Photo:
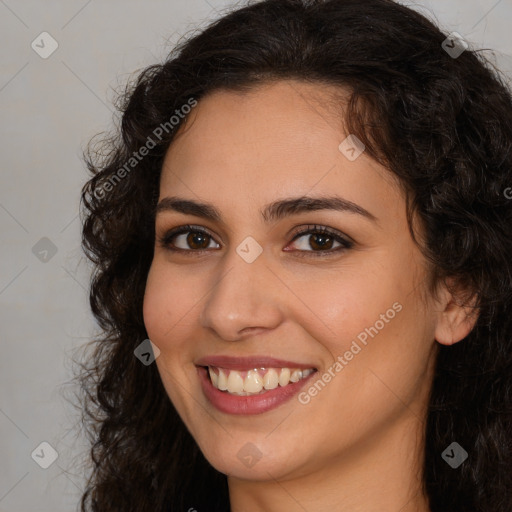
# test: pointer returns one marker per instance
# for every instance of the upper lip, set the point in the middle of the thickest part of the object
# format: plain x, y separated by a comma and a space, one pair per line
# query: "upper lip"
249, 363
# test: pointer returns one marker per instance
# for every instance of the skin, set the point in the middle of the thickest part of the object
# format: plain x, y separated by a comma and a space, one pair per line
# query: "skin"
357, 444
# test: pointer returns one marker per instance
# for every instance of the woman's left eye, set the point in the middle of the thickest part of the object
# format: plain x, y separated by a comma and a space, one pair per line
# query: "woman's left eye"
323, 239
320, 238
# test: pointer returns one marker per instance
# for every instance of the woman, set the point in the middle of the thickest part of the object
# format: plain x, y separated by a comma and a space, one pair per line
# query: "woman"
305, 211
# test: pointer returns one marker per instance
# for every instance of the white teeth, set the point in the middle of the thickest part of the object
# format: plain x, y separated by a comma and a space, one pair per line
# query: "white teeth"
255, 381
223, 381
271, 379
214, 377
235, 382
296, 376
284, 376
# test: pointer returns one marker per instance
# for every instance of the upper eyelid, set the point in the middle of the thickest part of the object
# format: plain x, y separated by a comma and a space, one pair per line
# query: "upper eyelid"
298, 231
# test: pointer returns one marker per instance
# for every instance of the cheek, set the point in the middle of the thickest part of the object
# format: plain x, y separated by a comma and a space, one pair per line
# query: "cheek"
371, 317
162, 299
336, 307
171, 306
164, 311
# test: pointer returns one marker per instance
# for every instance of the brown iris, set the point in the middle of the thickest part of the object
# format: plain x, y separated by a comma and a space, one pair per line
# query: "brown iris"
202, 239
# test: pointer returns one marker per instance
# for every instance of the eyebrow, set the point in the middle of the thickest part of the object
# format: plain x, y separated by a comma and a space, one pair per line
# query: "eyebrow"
271, 212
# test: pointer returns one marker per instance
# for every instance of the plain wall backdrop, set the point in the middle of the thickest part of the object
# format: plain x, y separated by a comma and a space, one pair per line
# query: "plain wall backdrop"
50, 107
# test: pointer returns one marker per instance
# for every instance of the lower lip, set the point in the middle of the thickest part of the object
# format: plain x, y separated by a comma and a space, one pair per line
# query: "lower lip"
255, 404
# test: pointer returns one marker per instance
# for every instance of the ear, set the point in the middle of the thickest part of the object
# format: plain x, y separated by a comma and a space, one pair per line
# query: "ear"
456, 313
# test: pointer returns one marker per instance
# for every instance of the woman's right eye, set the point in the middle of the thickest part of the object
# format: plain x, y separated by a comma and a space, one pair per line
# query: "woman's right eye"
191, 238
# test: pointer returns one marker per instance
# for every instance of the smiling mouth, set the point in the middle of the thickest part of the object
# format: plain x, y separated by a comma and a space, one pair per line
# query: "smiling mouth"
257, 381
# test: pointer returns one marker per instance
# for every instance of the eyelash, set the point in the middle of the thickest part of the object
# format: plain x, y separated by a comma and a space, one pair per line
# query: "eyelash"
165, 240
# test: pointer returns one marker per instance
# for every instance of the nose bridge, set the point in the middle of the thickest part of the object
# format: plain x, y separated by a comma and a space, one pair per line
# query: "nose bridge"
241, 297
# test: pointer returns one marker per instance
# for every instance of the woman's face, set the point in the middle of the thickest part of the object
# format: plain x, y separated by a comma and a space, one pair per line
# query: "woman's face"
351, 304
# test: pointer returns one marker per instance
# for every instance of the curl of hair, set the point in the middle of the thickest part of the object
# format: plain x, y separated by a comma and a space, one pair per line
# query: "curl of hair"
442, 126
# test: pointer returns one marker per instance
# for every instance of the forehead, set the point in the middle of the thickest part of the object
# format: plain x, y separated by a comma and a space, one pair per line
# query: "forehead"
277, 139
273, 120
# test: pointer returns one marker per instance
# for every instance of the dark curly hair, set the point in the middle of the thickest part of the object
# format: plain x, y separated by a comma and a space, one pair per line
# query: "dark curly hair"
442, 125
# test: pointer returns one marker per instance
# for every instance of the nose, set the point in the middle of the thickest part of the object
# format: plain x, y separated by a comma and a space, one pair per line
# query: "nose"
245, 298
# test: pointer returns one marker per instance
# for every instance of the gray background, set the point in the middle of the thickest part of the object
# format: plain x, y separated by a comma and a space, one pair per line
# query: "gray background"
49, 109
